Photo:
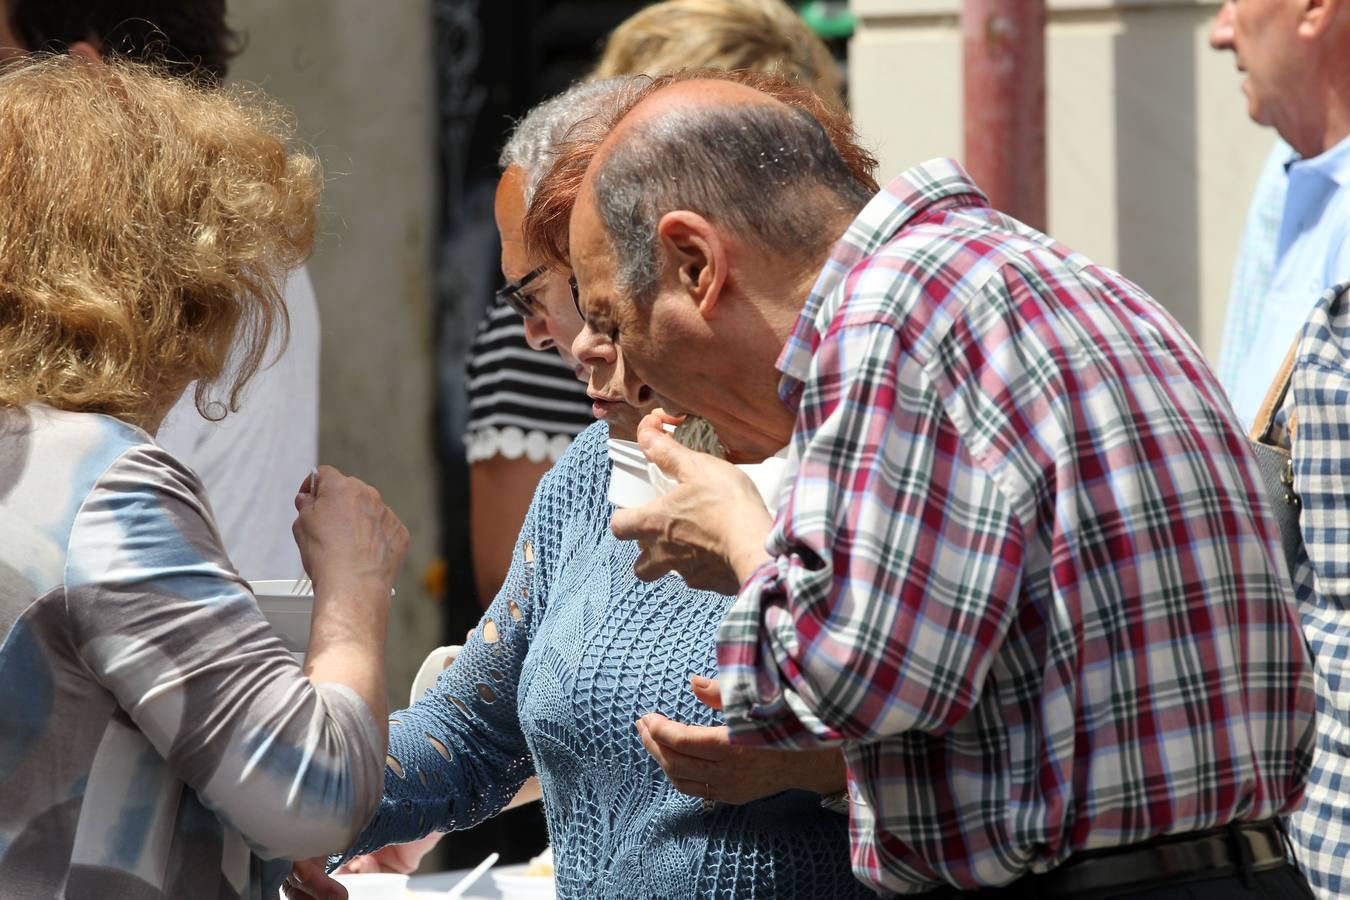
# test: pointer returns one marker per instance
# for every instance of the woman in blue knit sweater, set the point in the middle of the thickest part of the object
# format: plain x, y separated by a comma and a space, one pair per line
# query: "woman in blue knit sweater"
573, 651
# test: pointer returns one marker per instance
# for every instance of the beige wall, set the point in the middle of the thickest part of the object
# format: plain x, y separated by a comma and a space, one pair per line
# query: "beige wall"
358, 75
1151, 155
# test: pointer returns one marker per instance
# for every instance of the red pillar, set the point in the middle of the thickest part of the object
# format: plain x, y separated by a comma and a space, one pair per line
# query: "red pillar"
1004, 49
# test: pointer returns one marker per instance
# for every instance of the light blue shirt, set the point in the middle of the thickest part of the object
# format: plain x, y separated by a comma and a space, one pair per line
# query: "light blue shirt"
1253, 268
1312, 253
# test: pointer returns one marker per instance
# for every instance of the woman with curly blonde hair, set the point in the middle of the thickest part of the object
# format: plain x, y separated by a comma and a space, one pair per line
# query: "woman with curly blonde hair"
159, 740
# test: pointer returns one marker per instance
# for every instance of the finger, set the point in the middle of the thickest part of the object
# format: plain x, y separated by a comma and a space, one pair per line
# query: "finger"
702, 789
309, 878
303, 500
662, 418
300, 890
322, 886
698, 741
663, 450
634, 524
647, 568
655, 749
308, 491
707, 690
678, 766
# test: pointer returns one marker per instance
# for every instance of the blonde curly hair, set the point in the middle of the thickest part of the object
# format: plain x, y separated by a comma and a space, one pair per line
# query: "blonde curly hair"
146, 225
756, 35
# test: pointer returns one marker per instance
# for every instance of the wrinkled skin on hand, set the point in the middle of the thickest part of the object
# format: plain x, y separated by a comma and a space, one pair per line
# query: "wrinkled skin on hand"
701, 762
710, 527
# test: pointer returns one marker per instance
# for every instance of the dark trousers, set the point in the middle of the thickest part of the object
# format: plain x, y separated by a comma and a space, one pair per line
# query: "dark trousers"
1285, 883
1236, 862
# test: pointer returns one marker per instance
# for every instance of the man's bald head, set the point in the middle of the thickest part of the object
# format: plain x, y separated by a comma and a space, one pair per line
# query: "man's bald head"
766, 171
680, 97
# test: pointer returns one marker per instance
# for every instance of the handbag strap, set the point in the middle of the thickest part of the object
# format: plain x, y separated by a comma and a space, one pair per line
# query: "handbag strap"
1264, 429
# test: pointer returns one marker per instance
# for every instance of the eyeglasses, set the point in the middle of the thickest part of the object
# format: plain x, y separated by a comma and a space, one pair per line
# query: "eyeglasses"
510, 293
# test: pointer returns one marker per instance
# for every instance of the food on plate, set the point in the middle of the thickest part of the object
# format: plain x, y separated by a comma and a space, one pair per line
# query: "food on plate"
541, 866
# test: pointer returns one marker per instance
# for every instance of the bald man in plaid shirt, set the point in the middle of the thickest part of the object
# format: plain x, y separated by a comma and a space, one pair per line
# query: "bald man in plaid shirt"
1020, 570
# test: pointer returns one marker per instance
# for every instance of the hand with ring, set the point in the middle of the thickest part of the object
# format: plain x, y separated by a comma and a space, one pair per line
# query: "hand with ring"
701, 762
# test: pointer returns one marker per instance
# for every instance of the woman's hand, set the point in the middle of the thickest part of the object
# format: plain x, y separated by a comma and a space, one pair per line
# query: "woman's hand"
308, 881
710, 527
352, 546
402, 859
347, 536
701, 762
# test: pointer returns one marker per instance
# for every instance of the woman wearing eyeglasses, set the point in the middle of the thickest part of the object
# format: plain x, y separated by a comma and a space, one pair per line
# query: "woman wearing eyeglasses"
524, 406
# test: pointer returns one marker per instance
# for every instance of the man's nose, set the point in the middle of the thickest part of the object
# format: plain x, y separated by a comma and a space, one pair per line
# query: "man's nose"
536, 333
1221, 32
589, 347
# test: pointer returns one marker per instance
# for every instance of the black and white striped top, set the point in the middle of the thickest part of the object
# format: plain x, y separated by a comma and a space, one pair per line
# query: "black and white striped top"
522, 402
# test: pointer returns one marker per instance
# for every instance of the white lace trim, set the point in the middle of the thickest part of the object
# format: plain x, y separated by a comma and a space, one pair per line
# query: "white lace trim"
514, 443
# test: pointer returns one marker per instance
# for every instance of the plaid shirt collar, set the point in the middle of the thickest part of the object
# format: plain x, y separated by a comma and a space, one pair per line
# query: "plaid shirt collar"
936, 185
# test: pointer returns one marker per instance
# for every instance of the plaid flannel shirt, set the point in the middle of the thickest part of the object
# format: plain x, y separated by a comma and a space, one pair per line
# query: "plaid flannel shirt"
1022, 572
1321, 395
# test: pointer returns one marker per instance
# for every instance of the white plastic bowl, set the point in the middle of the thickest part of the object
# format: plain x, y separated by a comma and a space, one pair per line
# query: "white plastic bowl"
375, 886
435, 663
513, 884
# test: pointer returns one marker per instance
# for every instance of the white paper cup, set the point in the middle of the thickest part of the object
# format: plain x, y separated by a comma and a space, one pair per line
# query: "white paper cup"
629, 481
633, 481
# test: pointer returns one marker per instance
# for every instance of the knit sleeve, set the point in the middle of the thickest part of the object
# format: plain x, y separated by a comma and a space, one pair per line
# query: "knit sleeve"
457, 756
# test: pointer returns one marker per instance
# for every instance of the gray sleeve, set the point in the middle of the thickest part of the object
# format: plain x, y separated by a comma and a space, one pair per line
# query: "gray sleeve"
165, 623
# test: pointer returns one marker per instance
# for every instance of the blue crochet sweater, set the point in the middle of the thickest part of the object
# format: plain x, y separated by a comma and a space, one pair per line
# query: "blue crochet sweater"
571, 653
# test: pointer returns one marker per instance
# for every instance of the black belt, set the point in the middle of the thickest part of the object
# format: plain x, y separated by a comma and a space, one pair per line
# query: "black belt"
1237, 849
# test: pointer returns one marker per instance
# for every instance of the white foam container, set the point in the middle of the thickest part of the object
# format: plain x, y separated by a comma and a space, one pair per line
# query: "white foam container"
513, 884
375, 886
288, 613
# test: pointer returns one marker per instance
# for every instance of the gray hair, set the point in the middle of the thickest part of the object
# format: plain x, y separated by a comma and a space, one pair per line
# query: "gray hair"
535, 138
766, 172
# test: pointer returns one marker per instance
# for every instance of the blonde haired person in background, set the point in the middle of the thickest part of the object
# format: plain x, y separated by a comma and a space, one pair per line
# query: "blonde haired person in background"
159, 741
760, 35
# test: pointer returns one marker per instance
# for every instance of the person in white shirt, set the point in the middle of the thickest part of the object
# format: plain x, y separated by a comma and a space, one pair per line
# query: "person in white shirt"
251, 460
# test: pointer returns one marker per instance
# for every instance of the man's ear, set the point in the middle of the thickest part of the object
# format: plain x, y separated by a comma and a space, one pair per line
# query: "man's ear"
696, 254
1317, 18
87, 49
